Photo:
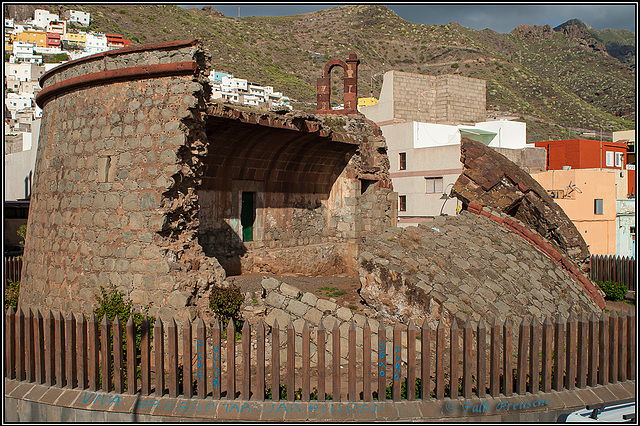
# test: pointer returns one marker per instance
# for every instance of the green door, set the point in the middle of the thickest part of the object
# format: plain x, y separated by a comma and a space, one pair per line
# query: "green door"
247, 215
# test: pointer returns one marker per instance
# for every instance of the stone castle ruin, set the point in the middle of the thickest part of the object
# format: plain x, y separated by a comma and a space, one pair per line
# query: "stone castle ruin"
142, 182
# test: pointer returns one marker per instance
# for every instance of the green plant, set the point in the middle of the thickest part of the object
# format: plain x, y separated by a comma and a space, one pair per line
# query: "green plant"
11, 294
22, 232
612, 290
112, 303
225, 303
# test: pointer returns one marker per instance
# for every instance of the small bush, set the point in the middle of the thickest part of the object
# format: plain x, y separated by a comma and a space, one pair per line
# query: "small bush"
612, 290
225, 303
11, 294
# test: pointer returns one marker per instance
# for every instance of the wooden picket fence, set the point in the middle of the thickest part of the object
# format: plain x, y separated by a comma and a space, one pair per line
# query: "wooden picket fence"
75, 352
614, 268
12, 269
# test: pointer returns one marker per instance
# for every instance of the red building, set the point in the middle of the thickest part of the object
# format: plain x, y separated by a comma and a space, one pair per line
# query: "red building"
117, 41
588, 154
54, 40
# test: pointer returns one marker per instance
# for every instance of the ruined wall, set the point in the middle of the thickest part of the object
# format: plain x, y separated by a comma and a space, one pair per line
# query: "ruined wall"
113, 199
320, 184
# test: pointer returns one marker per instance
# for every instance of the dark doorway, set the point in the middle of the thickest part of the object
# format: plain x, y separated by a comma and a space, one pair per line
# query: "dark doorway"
247, 215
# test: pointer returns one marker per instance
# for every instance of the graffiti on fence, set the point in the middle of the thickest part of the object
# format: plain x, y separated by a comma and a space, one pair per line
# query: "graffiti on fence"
500, 407
216, 366
244, 407
102, 398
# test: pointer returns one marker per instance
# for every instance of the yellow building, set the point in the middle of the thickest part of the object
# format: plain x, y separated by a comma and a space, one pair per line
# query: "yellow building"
367, 102
74, 39
39, 38
588, 197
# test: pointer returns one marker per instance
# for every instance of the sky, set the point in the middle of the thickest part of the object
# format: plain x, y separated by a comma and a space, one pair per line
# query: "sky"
500, 17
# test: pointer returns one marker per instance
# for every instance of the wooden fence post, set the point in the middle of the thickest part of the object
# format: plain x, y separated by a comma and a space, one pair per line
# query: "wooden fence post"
306, 362
482, 359
494, 363
30, 347
366, 362
454, 354
216, 359
592, 378
105, 349
507, 354
231, 360
145, 356
558, 354
467, 343
94, 353
571, 361
523, 348
631, 344
132, 377
425, 358
20, 345
10, 343
397, 362
60, 351
71, 356
158, 346
275, 361
547, 330
603, 349
411, 361
187, 359
534, 356
172, 342
583, 353
322, 379
622, 346
613, 347
38, 326
50, 361
118, 359
246, 361
291, 361
81, 348
440, 349
382, 362
335, 348
260, 361
351, 380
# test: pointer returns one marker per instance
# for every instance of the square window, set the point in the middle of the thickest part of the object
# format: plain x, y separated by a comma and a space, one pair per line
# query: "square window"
609, 158
402, 164
402, 203
434, 185
619, 159
598, 206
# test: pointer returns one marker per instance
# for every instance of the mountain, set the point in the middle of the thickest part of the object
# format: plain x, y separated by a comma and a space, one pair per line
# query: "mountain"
562, 81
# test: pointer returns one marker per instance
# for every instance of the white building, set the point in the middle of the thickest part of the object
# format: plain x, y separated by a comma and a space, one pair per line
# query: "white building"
23, 71
230, 84
96, 43
78, 17
18, 102
19, 165
24, 52
42, 18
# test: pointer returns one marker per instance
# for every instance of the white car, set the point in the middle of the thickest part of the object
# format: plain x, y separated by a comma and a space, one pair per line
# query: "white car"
612, 412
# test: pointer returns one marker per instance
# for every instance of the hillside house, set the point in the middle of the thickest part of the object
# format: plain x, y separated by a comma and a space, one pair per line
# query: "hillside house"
83, 19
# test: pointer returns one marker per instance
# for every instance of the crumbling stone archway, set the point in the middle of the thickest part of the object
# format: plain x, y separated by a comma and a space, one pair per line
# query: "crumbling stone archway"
350, 67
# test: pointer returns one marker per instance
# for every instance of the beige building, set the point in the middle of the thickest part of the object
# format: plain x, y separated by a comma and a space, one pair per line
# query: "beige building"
423, 119
588, 197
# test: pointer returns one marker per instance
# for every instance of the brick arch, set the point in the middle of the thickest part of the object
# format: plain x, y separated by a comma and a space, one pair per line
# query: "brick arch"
350, 67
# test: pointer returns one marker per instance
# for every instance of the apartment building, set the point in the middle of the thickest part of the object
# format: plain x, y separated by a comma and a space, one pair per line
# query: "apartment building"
42, 18
82, 19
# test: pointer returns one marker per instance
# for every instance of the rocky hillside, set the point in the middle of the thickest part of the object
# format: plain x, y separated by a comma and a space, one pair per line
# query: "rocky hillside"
562, 81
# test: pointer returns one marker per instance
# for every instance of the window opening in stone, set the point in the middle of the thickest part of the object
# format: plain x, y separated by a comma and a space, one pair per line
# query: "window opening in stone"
247, 215
365, 184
